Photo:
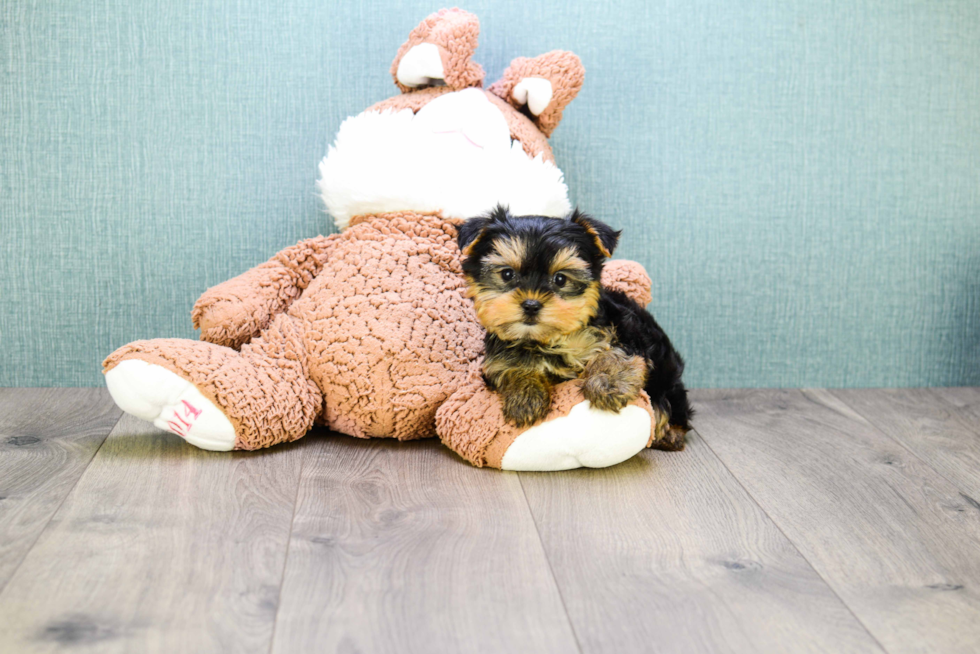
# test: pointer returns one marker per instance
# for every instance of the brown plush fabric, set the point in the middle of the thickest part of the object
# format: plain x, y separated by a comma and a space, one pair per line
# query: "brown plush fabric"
628, 277
234, 311
388, 327
471, 421
563, 69
265, 390
455, 33
382, 335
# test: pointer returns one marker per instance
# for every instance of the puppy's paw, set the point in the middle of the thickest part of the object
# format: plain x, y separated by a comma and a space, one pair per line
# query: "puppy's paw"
613, 380
672, 440
525, 406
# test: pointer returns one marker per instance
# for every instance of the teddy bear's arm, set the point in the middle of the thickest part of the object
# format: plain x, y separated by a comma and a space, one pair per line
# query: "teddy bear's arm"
628, 277
234, 311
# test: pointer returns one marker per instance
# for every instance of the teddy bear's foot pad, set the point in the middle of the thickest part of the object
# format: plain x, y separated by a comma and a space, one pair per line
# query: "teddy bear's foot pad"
585, 438
170, 402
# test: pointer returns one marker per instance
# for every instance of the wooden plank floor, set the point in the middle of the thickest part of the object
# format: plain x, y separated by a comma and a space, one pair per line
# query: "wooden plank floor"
796, 521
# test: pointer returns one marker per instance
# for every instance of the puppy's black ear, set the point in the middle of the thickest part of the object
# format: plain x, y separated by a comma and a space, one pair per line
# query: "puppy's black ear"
605, 236
471, 231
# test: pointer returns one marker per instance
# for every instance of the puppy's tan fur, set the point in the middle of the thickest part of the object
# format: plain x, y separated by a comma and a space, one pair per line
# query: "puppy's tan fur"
558, 346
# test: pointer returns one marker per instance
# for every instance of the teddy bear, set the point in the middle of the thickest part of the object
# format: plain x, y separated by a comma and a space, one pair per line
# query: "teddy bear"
368, 331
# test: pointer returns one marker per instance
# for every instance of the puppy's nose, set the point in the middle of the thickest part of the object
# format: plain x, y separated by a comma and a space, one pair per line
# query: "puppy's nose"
531, 307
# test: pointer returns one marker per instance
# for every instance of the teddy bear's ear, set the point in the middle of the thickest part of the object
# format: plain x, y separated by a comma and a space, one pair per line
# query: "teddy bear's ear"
439, 52
545, 85
606, 238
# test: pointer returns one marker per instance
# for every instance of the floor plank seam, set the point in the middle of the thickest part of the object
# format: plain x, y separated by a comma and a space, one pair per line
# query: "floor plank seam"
790, 541
905, 447
551, 570
285, 558
71, 490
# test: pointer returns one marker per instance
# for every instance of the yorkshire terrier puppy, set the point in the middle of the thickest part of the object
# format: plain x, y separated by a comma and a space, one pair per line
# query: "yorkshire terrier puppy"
535, 284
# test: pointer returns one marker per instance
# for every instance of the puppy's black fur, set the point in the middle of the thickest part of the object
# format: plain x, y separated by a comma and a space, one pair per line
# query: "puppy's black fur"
535, 282
638, 333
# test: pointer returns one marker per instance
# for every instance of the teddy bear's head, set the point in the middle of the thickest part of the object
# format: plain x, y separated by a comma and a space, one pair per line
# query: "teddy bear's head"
447, 145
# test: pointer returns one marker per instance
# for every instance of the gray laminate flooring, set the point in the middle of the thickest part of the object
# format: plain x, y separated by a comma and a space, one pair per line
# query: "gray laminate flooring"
795, 521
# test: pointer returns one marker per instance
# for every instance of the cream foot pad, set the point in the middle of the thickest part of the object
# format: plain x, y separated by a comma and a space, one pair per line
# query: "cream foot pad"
170, 402
586, 438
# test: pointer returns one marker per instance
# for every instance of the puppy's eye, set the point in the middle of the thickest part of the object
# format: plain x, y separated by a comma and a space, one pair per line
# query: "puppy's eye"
559, 280
506, 274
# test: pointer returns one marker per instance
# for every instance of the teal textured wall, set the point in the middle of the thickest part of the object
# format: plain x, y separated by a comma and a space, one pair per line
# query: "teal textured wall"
801, 179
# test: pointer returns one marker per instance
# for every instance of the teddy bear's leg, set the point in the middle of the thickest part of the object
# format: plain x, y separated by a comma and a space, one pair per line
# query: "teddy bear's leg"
153, 393
573, 435
584, 437
215, 397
